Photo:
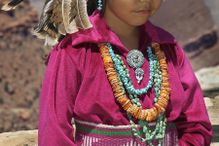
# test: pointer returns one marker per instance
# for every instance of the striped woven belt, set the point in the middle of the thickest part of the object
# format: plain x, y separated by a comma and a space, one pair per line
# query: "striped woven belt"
93, 134
110, 130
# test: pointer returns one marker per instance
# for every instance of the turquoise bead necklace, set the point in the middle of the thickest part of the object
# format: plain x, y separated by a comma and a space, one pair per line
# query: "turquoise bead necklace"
159, 131
150, 134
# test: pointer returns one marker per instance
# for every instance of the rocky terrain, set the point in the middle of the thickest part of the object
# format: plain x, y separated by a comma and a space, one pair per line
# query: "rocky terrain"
194, 27
213, 7
19, 138
21, 69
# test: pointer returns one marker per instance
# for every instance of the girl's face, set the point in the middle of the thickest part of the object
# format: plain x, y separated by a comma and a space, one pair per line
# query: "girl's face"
133, 12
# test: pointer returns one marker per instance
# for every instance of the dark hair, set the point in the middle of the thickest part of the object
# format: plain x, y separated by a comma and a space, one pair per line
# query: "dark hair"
91, 6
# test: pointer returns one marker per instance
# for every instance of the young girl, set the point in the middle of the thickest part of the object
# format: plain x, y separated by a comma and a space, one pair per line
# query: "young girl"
124, 81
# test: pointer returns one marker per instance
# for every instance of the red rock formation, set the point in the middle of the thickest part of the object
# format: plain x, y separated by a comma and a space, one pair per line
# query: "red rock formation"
191, 23
21, 69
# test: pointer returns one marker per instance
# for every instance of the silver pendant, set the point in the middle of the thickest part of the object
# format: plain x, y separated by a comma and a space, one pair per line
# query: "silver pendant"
135, 59
139, 74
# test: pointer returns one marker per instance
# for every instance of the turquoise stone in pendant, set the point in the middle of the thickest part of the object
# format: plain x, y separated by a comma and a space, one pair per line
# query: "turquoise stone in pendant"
135, 59
139, 74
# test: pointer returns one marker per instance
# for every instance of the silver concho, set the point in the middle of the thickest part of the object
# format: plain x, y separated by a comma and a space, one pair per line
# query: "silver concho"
136, 59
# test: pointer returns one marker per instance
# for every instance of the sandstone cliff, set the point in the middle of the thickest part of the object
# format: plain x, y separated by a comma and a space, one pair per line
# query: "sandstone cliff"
21, 69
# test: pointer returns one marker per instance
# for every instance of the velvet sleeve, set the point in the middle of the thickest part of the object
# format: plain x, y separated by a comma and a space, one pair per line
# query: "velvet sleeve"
193, 125
59, 88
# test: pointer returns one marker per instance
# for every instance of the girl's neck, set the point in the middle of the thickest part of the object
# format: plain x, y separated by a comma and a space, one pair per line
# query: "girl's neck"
128, 34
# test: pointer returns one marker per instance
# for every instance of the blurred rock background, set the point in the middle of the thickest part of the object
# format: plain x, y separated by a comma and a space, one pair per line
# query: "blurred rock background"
193, 22
21, 69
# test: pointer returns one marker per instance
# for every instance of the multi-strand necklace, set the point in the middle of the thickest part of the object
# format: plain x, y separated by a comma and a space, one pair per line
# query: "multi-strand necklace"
119, 78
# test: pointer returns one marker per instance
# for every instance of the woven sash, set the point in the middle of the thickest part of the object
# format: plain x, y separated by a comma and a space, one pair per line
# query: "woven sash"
93, 134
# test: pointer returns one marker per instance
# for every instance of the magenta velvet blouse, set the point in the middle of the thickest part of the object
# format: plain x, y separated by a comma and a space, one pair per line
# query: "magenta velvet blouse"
75, 85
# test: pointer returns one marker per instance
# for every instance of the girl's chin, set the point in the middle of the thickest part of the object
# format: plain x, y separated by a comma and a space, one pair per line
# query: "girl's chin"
138, 22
